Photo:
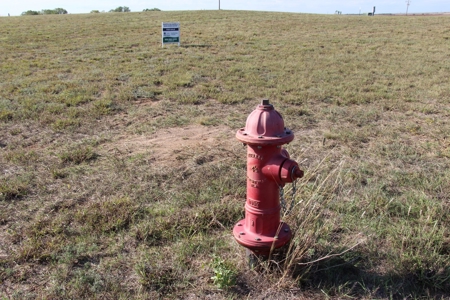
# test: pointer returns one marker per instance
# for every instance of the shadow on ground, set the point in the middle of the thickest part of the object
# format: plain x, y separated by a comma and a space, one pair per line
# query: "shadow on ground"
340, 277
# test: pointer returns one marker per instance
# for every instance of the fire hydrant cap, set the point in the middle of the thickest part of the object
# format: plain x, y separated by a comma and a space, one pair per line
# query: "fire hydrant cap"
265, 126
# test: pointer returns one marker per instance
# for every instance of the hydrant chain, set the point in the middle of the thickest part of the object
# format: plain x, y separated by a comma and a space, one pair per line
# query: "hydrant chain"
282, 202
286, 207
294, 191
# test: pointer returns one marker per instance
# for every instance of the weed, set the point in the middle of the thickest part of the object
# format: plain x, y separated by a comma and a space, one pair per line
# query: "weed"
62, 124
78, 155
208, 121
22, 157
59, 173
109, 216
6, 115
224, 275
102, 107
14, 187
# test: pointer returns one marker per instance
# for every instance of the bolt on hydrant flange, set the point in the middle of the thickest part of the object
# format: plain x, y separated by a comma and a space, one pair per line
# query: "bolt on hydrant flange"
269, 167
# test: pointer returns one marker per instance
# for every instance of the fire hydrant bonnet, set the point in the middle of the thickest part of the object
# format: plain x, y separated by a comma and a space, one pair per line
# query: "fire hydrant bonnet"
265, 126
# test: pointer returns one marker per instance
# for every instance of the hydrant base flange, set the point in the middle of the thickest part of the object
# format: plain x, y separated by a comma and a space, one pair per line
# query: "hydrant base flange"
261, 244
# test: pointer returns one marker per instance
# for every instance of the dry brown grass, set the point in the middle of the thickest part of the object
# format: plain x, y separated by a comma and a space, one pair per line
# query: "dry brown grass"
121, 177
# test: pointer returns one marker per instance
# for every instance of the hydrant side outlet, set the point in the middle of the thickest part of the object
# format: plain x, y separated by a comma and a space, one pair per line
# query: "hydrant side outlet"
269, 167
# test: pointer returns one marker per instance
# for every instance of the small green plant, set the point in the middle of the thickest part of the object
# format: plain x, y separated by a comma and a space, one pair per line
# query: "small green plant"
224, 275
14, 188
102, 107
66, 123
6, 115
78, 156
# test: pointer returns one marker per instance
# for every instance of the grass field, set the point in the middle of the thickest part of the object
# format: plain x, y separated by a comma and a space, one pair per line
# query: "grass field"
121, 177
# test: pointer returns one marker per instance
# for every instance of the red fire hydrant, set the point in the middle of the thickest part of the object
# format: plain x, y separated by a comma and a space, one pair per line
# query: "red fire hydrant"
268, 169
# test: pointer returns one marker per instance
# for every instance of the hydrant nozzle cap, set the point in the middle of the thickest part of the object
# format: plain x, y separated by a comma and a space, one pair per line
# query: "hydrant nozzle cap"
298, 173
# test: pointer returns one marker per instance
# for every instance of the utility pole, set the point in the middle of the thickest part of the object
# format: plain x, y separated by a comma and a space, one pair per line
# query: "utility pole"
408, 2
219, 4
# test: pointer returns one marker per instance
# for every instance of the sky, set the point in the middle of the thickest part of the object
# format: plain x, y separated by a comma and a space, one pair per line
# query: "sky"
16, 7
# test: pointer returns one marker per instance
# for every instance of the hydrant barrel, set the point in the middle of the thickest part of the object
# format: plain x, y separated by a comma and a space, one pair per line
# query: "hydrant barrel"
269, 168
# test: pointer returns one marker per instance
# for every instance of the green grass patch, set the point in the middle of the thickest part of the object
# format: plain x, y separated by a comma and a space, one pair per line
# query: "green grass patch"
120, 176
78, 155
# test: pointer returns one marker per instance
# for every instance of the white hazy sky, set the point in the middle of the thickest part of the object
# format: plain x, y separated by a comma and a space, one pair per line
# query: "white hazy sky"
16, 7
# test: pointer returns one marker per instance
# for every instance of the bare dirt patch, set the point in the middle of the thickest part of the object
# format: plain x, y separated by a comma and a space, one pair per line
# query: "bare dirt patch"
170, 146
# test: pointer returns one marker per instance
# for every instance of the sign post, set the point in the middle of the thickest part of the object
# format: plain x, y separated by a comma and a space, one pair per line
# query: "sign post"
170, 33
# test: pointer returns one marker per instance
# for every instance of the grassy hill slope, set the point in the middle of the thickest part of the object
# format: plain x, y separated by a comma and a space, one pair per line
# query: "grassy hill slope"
121, 177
